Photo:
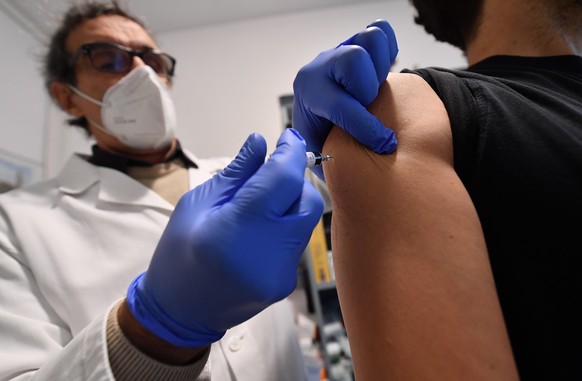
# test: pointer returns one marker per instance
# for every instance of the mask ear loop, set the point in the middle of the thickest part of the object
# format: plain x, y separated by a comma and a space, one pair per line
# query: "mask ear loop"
95, 101
87, 97
100, 127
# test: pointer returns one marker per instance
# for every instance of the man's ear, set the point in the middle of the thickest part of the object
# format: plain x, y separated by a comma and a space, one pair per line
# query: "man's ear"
62, 94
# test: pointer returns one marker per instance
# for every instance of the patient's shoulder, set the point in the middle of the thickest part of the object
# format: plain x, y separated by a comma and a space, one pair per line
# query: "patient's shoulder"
407, 104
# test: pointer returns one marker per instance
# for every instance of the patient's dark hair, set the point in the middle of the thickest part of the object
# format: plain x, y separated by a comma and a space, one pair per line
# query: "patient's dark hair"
452, 21
56, 60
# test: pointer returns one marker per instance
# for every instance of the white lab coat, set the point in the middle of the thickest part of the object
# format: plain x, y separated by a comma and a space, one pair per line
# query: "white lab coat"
70, 246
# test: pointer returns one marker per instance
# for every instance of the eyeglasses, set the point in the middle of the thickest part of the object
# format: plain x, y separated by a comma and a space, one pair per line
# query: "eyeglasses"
112, 58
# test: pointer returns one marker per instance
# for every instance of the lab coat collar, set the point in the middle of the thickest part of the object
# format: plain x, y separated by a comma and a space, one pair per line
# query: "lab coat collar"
77, 175
114, 187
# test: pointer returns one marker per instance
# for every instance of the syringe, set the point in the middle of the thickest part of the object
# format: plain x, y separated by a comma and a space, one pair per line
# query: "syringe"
315, 159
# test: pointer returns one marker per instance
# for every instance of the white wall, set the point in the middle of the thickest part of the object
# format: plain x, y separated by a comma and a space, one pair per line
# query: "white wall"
22, 99
230, 76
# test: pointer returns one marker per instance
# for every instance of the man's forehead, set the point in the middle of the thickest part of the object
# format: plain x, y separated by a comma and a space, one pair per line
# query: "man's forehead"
111, 28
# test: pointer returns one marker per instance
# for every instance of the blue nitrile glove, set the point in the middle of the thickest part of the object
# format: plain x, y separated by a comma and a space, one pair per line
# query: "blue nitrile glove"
231, 247
339, 83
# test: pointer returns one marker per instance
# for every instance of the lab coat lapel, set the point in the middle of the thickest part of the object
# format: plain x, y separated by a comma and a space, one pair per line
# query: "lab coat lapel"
114, 187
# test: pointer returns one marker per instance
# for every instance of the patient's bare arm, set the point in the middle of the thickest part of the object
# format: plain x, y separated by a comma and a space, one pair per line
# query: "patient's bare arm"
413, 274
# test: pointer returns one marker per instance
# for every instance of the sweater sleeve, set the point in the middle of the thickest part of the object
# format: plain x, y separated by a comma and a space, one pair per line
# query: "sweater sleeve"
129, 363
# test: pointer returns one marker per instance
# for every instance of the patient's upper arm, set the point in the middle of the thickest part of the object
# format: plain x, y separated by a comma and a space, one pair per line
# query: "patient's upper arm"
411, 263
410, 190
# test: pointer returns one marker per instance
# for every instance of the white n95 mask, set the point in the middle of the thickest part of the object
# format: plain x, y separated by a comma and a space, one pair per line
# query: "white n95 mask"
138, 110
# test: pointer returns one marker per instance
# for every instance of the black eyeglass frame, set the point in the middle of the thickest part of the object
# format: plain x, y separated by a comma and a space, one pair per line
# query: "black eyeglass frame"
87, 48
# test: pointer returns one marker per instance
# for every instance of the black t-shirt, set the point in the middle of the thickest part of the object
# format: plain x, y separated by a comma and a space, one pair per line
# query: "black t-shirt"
517, 138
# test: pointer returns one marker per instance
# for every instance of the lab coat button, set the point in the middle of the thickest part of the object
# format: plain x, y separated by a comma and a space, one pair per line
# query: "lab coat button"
234, 344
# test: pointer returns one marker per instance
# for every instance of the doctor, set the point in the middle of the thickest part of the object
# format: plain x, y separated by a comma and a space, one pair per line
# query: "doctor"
82, 297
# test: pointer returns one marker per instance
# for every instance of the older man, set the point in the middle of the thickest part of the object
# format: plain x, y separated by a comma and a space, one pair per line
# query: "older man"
82, 298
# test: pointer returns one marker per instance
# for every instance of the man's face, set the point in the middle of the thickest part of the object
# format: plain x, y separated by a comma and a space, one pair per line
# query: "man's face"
109, 29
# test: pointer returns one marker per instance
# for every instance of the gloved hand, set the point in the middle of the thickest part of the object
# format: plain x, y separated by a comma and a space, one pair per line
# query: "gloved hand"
231, 247
339, 83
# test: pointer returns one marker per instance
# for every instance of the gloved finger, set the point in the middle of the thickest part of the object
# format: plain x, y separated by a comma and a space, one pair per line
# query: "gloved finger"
354, 70
347, 112
279, 182
222, 187
248, 160
299, 222
363, 126
376, 43
390, 35
379, 41
308, 208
